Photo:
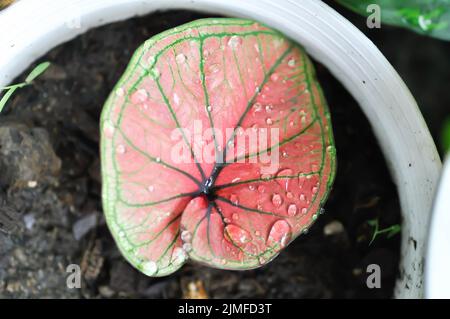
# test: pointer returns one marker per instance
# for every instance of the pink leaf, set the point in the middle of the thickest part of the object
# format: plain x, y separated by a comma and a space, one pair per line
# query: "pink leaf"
168, 197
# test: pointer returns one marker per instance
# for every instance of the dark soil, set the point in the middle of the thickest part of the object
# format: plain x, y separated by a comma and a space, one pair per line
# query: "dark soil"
51, 213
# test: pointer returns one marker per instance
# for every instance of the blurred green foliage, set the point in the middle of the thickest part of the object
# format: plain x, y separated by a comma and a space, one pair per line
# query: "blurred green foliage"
428, 17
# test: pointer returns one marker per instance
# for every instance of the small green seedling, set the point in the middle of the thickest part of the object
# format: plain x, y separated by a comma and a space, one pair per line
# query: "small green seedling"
37, 71
390, 231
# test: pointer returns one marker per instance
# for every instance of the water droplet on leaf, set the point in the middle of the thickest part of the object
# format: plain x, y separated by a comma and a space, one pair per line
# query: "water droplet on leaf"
180, 58
280, 233
155, 73
186, 236
292, 210
149, 268
121, 149
140, 96
120, 92
178, 256
237, 235
234, 199
274, 77
187, 247
234, 41
257, 107
277, 200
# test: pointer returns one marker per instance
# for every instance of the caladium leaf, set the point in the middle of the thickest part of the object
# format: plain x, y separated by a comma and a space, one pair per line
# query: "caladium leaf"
428, 17
164, 201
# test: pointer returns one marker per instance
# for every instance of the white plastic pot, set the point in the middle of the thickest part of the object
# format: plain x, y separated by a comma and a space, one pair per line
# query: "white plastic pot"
437, 274
30, 28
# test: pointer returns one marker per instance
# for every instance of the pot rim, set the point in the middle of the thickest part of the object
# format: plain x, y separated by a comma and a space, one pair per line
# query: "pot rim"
35, 27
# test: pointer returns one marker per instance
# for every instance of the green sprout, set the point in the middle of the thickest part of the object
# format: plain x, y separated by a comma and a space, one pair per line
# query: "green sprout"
390, 231
37, 71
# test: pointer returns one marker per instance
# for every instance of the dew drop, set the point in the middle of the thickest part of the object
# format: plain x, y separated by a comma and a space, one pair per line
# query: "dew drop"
237, 179
314, 217
155, 73
261, 189
277, 200
158, 159
209, 108
180, 58
151, 59
178, 256
274, 77
120, 92
186, 236
223, 261
187, 247
266, 176
257, 107
292, 210
269, 121
284, 182
234, 42
237, 235
149, 268
214, 68
108, 129
121, 149
291, 63
235, 216
257, 233
226, 220
234, 199
280, 233
303, 120
304, 210
262, 260
302, 197
289, 195
269, 108
140, 96
315, 189
285, 154
151, 188
176, 99
251, 187
121, 234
